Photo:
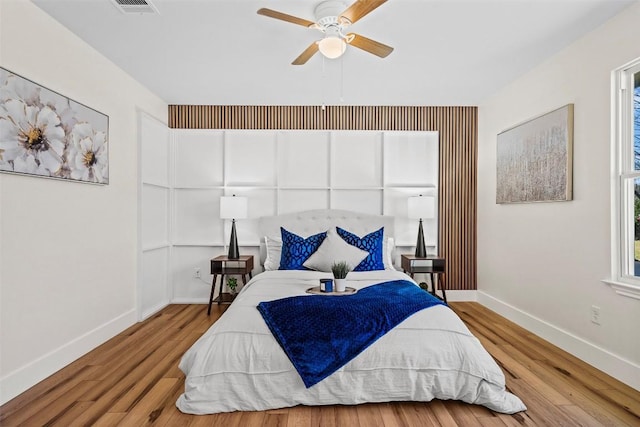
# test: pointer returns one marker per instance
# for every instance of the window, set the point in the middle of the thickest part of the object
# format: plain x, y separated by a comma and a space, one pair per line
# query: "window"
626, 193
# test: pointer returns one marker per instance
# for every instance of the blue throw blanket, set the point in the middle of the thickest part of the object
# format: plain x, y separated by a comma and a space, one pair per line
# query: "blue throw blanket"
321, 333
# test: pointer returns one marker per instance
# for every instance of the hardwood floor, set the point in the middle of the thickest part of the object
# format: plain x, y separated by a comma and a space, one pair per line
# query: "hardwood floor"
134, 380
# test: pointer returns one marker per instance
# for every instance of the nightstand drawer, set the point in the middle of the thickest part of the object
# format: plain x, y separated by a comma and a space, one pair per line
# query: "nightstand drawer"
413, 264
224, 266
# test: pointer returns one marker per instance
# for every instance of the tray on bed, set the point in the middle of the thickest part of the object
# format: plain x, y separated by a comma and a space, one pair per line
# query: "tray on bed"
316, 290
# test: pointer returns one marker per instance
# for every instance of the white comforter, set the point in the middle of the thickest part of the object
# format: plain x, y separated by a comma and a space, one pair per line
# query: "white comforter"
237, 365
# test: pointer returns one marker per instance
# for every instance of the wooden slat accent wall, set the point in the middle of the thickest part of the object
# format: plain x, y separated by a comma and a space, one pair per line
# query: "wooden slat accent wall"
458, 127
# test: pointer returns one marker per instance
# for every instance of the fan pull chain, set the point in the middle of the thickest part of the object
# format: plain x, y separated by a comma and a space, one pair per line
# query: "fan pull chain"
342, 79
324, 81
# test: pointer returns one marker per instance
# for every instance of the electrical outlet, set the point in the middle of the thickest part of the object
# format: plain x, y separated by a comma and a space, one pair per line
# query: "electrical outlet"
196, 272
595, 314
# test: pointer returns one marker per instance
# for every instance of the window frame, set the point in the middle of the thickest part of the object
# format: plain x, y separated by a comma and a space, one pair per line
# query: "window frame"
624, 175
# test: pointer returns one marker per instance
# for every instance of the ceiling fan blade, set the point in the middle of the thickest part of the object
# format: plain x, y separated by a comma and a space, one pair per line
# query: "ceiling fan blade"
361, 8
306, 55
284, 17
371, 46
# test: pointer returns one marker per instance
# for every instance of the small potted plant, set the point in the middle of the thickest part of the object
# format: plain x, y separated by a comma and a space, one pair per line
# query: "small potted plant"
232, 284
340, 270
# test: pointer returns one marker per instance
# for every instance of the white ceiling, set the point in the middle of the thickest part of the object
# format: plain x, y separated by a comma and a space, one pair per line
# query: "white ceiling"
447, 52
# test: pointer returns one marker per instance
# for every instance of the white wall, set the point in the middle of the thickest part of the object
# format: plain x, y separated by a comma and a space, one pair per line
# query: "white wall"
154, 292
288, 171
67, 250
542, 264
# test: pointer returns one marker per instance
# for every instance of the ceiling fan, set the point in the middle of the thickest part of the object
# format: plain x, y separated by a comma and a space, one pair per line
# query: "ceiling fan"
332, 20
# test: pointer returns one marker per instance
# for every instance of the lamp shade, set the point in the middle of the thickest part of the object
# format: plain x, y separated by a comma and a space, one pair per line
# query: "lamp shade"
332, 47
233, 207
420, 207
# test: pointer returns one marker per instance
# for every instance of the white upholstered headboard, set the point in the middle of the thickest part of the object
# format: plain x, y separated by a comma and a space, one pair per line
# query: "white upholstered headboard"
311, 222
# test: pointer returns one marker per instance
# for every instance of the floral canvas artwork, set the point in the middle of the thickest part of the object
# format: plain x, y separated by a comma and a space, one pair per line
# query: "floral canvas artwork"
43, 133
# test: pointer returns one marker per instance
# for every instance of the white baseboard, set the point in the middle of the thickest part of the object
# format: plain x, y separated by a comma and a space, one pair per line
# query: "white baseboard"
33, 372
150, 312
619, 368
190, 300
455, 296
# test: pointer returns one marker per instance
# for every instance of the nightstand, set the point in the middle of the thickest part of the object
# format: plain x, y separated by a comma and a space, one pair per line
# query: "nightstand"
223, 266
433, 266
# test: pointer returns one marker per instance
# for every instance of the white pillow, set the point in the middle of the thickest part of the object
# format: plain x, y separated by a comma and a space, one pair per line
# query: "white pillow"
274, 249
388, 247
334, 249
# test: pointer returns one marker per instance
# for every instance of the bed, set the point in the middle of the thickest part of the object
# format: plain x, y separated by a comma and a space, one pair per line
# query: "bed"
238, 364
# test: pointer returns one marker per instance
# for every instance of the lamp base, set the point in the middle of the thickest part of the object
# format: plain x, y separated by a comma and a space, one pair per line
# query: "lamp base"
421, 249
234, 253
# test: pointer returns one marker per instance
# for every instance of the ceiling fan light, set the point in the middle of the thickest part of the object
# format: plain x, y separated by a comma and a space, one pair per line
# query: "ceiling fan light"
332, 47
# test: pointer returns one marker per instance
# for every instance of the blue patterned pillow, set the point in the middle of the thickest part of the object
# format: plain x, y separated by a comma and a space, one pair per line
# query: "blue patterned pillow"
296, 249
371, 243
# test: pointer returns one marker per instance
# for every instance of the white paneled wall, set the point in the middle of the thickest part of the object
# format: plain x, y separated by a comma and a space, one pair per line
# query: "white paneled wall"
200, 162
288, 171
195, 212
303, 159
154, 290
356, 160
250, 159
155, 216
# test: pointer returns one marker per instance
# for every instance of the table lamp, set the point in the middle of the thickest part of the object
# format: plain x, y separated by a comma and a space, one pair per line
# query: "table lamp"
420, 207
232, 207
